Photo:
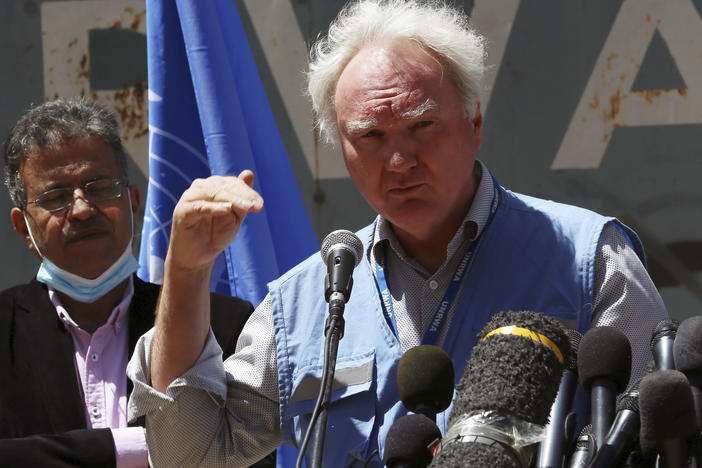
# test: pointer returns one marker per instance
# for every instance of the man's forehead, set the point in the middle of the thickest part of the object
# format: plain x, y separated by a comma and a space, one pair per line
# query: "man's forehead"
380, 78
388, 66
71, 156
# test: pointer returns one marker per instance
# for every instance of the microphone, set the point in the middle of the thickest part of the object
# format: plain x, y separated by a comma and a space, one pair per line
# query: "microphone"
584, 448
662, 340
506, 392
408, 440
687, 352
667, 417
425, 380
341, 251
623, 434
561, 425
604, 367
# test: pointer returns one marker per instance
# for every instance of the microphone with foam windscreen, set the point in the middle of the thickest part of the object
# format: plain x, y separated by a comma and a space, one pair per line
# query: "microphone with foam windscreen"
667, 417
604, 367
425, 380
687, 352
662, 342
506, 392
552, 450
408, 440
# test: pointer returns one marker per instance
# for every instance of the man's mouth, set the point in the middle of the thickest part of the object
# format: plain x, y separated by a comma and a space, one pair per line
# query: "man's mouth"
406, 189
87, 234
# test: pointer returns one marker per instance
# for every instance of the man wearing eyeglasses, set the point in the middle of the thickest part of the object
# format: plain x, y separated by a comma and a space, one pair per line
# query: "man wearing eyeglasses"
67, 335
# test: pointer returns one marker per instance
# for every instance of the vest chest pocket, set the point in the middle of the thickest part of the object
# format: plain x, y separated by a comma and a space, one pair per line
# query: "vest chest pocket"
351, 414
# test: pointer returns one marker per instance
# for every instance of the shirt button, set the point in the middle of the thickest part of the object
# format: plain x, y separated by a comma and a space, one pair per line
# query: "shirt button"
95, 411
94, 357
433, 284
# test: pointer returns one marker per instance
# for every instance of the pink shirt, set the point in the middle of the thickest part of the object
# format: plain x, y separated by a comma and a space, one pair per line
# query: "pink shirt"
101, 363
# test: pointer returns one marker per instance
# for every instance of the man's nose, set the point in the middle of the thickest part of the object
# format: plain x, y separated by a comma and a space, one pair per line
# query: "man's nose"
402, 155
80, 207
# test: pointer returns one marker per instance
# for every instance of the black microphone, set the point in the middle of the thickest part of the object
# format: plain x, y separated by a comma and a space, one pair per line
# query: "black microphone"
667, 417
425, 380
509, 384
559, 431
687, 351
604, 367
662, 340
408, 440
341, 251
584, 448
623, 434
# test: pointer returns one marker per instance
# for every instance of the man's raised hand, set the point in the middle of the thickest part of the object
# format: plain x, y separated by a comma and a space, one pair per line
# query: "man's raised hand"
208, 217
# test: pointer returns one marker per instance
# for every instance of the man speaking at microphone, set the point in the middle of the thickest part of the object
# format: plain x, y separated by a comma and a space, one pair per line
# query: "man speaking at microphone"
396, 84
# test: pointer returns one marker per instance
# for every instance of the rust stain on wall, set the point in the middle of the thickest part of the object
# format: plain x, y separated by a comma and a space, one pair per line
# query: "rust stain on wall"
651, 95
595, 102
83, 71
614, 103
610, 58
131, 108
138, 18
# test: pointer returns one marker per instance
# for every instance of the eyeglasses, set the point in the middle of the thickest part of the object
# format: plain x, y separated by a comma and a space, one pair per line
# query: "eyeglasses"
93, 191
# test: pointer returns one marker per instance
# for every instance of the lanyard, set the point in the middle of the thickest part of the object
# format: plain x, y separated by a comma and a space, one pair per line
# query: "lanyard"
451, 291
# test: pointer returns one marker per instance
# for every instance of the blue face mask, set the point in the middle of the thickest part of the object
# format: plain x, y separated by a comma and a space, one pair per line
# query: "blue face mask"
84, 289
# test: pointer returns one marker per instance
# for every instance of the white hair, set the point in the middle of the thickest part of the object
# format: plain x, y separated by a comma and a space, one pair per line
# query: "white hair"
443, 30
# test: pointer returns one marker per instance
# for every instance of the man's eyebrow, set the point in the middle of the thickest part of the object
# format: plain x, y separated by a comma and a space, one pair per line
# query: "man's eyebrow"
423, 108
354, 127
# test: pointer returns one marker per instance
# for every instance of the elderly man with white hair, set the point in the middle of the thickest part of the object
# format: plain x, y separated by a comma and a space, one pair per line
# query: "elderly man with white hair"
397, 84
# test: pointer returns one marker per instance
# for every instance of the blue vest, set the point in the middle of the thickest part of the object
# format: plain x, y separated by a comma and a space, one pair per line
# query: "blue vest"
536, 255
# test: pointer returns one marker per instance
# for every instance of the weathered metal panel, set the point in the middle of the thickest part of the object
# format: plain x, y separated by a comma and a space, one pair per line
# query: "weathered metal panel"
591, 102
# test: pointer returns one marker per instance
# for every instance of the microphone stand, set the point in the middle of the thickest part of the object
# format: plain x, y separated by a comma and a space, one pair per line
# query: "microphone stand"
333, 332
341, 256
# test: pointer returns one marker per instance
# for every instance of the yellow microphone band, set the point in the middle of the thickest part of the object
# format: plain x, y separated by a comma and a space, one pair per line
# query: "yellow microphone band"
515, 330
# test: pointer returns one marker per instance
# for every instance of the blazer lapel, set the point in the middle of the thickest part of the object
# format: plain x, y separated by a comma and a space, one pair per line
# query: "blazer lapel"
50, 349
141, 319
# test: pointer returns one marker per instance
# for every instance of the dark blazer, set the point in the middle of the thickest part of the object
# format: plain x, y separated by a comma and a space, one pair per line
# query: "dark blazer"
39, 392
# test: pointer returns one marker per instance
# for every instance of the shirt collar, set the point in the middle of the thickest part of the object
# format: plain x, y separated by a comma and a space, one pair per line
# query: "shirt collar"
471, 227
117, 318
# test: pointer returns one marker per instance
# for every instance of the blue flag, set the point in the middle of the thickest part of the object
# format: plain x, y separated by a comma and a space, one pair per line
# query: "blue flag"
209, 115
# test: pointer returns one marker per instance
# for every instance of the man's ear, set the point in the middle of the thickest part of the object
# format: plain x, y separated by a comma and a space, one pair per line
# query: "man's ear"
477, 122
478, 119
20, 225
135, 197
